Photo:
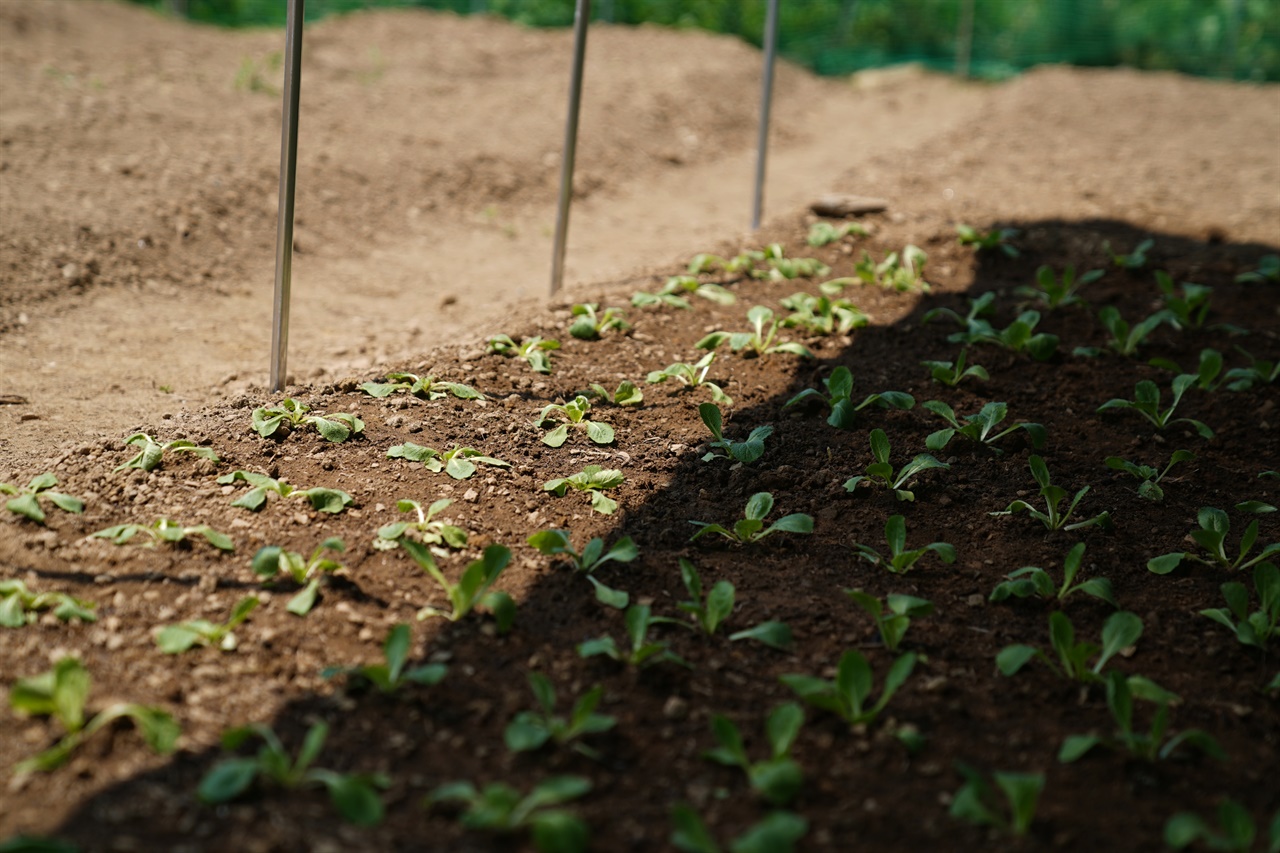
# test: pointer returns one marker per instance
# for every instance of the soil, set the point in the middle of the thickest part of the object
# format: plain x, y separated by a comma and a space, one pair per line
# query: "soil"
139, 183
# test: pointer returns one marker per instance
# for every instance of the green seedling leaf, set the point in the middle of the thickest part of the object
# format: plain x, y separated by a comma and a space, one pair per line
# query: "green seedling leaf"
952, 374
742, 452
164, 530
152, 453
501, 808
1149, 488
892, 616
759, 342
1031, 581
642, 652
531, 730
175, 639
534, 350
1258, 627
976, 801
472, 589
589, 322
20, 606
1054, 517
1211, 537
839, 387
390, 676
751, 528
574, 413
848, 697
980, 427
425, 387
899, 560
335, 426
881, 470
592, 480
1054, 292
777, 778
1146, 402
27, 500
996, 239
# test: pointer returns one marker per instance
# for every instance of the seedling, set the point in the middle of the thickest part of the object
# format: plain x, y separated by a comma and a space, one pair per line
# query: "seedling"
27, 500
1054, 292
1212, 539
391, 676
751, 528
1053, 518
979, 427
556, 543
593, 480
777, 832
742, 452
642, 652
881, 470
152, 453
500, 808
1126, 339
1259, 372
458, 462
430, 531
705, 262
354, 796
626, 395
590, 323
893, 615
332, 501
575, 413
1146, 402
419, 386
778, 778
901, 272
977, 803
973, 323
1150, 477
1121, 630
672, 292
1135, 260
1257, 628
531, 730
839, 395
952, 374
822, 315
1234, 833
335, 426
534, 350
759, 341
175, 639
1030, 580
823, 233
1207, 372
692, 376
849, 695
309, 573
165, 530
1268, 269
1188, 308
899, 560
997, 239
472, 589
19, 605
62, 693
786, 269
708, 613
1018, 336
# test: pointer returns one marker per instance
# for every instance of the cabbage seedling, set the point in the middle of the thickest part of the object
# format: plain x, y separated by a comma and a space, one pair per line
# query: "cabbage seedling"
705, 262
976, 801
1150, 477
893, 615
974, 323
556, 543
152, 452
952, 374
849, 696
531, 730
1212, 539
901, 272
418, 386
1054, 292
677, 285
1268, 269
1257, 628
164, 530
575, 412
335, 426
1135, 260
1259, 372
62, 693
823, 233
500, 808
777, 832
354, 796
751, 528
175, 639
1188, 308
1207, 371
1146, 402
1030, 580
1126, 339
472, 589
708, 613
590, 323
642, 652
822, 315
786, 269
458, 462
759, 341
308, 573
997, 239
777, 778
979, 427
882, 470
742, 452
332, 501
27, 500
390, 676
899, 560
534, 350
429, 531
19, 605
1053, 518
593, 480
692, 376
1235, 831
1018, 336
626, 395
1121, 630
839, 395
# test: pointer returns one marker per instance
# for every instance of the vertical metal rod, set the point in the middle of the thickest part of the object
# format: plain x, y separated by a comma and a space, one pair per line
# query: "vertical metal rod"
766, 100
581, 15
288, 180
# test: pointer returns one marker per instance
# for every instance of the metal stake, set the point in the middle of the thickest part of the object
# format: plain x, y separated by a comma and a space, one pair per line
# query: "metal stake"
288, 179
582, 13
766, 99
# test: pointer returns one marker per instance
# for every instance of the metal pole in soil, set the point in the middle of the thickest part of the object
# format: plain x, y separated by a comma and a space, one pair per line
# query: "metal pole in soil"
766, 100
581, 15
288, 180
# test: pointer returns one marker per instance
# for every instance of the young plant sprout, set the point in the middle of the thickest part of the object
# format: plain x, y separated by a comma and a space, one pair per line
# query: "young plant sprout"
472, 589
1135, 260
430, 531
390, 676
593, 480
849, 696
893, 615
751, 528
822, 315
777, 778
1150, 477
977, 802
692, 376
759, 341
901, 272
979, 427
1032, 581
458, 462
335, 426
500, 808
1146, 402
418, 386
1259, 627
1054, 518
531, 730
1054, 292
899, 560
175, 639
556, 543
1126, 339
20, 606
535, 350
786, 269
309, 573
974, 323
590, 323
642, 651
777, 832
152, 452
165, 530
705, 262
710, 611
672, 293
997, 239
1235, 831
1207, 371
1121, 630
882, 471
1268, 269
27, 500
742, 452
1019, 336
332, 501
354, 796
952, 374
1259, 372
575, 413
626, 395
1187, 309
839, 395
823, 233
1212, 539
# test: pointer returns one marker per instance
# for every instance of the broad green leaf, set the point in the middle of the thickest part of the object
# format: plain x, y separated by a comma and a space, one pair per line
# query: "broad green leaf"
227, 780
774, 634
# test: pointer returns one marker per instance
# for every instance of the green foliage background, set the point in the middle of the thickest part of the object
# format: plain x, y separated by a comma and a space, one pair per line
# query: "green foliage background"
1225, 38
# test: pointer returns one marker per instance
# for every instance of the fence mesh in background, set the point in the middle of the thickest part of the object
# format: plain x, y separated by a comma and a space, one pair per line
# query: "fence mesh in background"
1238, 39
